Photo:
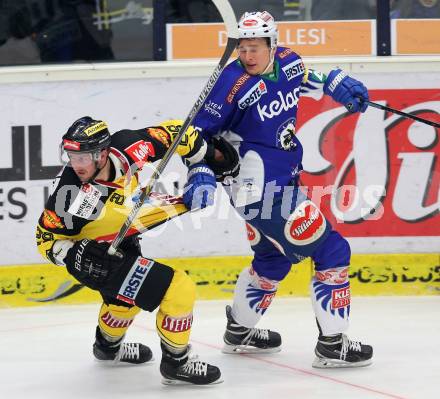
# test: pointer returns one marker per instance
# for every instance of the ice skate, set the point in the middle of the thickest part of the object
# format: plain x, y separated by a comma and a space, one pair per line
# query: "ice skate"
186, 368
239, 339
339, 351
115, 352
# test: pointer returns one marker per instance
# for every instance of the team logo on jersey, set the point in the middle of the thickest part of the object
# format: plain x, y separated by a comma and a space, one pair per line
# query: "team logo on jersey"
305, 225
115, 322
285, 134
140, 151
177, 324
240, 82
285, 103
134, 280
253, 235
51, 220
294, 69
253, 95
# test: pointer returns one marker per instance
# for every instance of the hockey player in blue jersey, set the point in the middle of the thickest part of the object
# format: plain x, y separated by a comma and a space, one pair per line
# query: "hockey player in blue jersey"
254, 107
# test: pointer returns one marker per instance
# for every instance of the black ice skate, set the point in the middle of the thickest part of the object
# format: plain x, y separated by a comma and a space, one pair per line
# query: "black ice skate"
339, 351
185, 368
239, 339
115, 352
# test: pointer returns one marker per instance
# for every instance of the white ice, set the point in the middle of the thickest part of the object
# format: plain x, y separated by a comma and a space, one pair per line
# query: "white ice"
45, 353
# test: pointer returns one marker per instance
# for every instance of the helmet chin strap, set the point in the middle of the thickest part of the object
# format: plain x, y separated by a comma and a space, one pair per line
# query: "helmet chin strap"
93, 177
96, 172
271, 60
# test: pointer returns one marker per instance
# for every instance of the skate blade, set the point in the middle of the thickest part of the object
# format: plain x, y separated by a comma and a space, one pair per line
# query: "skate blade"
170, 381
244, 349
321, 363
118, 363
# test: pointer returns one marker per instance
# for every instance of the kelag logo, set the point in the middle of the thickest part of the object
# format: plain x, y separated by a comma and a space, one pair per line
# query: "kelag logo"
13, 198
377, 173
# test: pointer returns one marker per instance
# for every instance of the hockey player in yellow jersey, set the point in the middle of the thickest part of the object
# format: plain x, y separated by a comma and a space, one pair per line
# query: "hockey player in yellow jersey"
90, 200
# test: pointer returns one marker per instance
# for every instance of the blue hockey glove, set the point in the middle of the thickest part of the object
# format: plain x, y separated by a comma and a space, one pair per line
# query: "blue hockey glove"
347, 91
199, 190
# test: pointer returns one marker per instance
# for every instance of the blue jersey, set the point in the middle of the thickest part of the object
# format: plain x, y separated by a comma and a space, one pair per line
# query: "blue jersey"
258, 114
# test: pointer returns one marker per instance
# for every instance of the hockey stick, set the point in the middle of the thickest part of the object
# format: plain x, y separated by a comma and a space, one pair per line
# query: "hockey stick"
230, 21
404, 114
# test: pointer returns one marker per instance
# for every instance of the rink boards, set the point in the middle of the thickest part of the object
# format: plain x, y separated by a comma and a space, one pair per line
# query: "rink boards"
374, 149
215, 277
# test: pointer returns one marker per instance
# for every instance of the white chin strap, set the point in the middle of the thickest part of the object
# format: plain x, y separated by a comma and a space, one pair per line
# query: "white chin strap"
271, 60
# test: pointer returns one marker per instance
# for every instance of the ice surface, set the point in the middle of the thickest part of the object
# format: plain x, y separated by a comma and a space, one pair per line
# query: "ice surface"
45, 352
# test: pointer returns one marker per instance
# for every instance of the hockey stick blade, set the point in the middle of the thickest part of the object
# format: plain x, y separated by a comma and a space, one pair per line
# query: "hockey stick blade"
228, 15
404, 114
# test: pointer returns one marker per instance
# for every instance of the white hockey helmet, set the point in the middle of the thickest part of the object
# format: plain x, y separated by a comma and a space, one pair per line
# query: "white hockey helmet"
258, 24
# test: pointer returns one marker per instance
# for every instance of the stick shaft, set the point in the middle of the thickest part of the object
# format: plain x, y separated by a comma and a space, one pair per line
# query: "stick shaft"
404, 114
228, 16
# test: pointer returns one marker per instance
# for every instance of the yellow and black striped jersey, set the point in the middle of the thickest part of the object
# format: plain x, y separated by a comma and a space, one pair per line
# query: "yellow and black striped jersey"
97, 210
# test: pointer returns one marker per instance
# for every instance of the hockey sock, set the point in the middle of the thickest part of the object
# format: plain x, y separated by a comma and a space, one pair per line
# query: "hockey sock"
331, 300
252, 296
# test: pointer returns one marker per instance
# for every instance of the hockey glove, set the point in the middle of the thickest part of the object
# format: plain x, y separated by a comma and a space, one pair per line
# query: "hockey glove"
347, 91
200, 188
89, 262
229, 166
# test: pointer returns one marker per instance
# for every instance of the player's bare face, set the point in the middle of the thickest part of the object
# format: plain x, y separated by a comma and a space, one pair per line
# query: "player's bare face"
254, 54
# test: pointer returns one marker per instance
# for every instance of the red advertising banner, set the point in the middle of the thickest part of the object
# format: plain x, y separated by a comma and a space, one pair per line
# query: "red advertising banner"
374, 174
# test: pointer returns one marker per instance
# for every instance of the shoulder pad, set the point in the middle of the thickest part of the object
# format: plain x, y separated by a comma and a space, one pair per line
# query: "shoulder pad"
172, 126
